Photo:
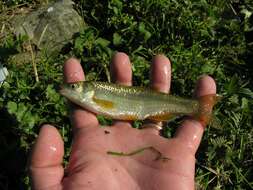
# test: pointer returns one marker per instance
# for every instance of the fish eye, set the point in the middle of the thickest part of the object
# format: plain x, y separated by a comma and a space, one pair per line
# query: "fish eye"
76, 87
73, 86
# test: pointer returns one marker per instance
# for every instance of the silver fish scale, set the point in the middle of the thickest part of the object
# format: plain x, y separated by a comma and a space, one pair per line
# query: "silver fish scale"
142, 102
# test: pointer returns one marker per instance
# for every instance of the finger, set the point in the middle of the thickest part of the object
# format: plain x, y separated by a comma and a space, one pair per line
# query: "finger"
160, 73
45, 166
121, 73
191, 130
160, 77
120, 68
80, 118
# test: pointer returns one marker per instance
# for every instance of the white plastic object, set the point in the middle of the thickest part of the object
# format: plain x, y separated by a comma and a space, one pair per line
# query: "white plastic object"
3, 73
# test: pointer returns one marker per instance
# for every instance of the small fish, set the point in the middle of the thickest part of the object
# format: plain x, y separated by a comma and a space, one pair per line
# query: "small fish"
136, 103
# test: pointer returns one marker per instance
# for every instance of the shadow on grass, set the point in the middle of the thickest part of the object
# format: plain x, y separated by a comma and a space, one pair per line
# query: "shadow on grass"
13, 159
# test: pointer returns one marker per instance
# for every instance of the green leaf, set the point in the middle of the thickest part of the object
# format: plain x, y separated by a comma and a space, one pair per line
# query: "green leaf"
22, 108
103, 42
51, 94
245, 103
147, 35
116, 39
247, 92
12, 107
142, 29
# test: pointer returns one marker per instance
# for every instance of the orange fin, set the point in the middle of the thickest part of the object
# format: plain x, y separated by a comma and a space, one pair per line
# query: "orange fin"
103, 103
206, 104
129, 117
162, 117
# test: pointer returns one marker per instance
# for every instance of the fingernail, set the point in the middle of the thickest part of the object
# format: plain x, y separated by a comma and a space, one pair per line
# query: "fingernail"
161, 73
73, 71
205, 85
121, 71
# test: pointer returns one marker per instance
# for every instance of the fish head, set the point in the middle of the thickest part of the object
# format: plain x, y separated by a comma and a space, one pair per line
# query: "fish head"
78, 92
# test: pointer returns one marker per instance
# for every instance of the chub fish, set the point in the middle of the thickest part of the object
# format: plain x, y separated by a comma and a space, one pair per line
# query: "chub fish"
136, 103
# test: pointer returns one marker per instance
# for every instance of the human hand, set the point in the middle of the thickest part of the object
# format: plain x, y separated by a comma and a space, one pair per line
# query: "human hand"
90, 167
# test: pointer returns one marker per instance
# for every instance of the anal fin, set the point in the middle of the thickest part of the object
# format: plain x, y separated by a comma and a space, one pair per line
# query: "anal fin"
129, 117
162, 117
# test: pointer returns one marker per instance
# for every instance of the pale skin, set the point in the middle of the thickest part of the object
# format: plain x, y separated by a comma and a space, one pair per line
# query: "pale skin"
90, 167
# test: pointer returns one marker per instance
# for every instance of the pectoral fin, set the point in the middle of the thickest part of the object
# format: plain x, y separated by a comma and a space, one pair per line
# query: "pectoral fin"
103, 103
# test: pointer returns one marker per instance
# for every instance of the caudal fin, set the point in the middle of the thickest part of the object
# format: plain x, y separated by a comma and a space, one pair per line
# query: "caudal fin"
206, 104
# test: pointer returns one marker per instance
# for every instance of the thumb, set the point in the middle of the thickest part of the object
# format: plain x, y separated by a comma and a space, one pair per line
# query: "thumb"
45, 166
191, 130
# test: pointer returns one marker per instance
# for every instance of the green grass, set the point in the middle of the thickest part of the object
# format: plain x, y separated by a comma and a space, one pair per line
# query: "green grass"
200, 37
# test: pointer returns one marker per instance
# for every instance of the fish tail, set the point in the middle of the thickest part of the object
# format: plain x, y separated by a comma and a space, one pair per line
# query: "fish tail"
206, 104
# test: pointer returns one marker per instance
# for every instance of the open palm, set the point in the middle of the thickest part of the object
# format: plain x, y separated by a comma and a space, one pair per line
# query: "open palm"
90, 167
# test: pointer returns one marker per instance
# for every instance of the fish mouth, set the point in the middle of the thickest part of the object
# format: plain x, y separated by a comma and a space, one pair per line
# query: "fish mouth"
63, 91
67, 93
